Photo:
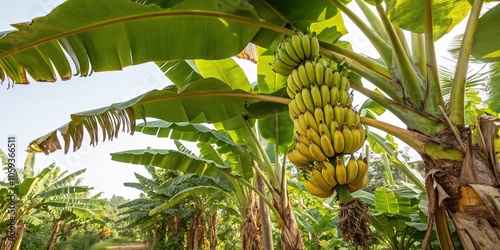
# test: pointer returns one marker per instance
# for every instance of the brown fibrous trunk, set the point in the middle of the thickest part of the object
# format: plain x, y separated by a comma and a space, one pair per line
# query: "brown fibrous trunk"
213, 231
53, 237
251, 235
196, 232
289, 232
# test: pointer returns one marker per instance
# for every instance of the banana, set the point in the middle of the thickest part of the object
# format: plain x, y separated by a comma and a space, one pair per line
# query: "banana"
297, 126
316, 191
326, 145
356, 138
323, 62
300, 102
318, 180
336, 79
300, 157
350, 116
352, 169
308, 101
338, 111
325, 129
310, 121
334, 96
316, 96
361, 135
338, 140
313, 136
348, 141
314, 46
328, 173
325, 94
297, 46
293, 109
296, 79
302, 138
329, 115
328, 78
294, 160
343, 98
283, 56
306, 46
304, 149
303, 76
281, 68
310, 71
292, 85
318, 73
316, 152
355, 186
319, 116
340, 172
345, 84
302, 123
356, 120
362, 170
290, 50
290, 92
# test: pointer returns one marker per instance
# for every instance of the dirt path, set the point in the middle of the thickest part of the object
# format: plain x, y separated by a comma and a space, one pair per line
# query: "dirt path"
128, 246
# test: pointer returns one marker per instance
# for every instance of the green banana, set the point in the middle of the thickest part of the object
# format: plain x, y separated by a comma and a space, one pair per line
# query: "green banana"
314, 46
292, 85
310, 72
293, 108
343, 98
336, 79
328, 78
303, 76
290, 92
345, 84
306, 46
318, 73
281, 68
300, 102
296, 79
334, 96
290, 50
316, 96
329, 115
283, 56
297, 46
307, 97
323, 62
350, 116
325, 94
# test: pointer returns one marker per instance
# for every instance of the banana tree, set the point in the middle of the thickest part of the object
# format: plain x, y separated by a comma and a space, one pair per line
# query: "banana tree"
459, 156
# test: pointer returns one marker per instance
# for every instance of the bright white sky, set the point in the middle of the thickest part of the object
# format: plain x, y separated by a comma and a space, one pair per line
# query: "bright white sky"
32, 111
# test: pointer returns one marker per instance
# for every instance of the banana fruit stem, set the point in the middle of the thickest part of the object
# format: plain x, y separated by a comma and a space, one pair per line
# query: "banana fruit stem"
345, 196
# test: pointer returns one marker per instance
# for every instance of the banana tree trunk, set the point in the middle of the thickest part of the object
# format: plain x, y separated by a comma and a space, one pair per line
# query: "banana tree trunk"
289, 232
6, 242
20, 234
251, 235
468, 188
53, 237
196, 232
213, 231
267, 234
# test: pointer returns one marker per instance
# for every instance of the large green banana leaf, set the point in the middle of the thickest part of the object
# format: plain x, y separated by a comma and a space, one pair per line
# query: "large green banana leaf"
109, 35
203, 101
486, 45
180, 72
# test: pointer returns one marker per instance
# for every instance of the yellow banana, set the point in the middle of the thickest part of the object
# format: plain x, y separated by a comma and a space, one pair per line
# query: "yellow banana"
302, 138
340, 172
296, 79
297, 126
290, 92
313, 136
334, 96
362, 170
310, 71
356, 138
336, 79
318, 180
352, 169
343, 98
325, 94
316, 96
325, 129
310, 121
304, 149
356, 120
357, 185
318, 73
302, 123
292, 105
297, 45
316, 152
314, 46
328, 173
338, 111
292, 85
329, 115
306, 46
319, 116
326, 145
316, 191
361, 130
300, 102
283, 56
345, 84
303, 76
294, 160
291, 51
338, 140
300, 157
328, 77
308, 101
350, 116
348, 141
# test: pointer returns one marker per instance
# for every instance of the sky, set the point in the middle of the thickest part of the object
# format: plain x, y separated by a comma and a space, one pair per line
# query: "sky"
31, 111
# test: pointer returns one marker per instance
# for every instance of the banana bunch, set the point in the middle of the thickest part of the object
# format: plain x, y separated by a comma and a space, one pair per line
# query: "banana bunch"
325, 176
294, 51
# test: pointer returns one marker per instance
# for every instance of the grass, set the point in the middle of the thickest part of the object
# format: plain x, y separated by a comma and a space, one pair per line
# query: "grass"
112, 242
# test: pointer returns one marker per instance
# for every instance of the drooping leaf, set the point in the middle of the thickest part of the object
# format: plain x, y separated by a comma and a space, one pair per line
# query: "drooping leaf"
409, 15
226, 70
486, 44
64, 190
124, 33
192, 191
385, 201
180, 72
267, 80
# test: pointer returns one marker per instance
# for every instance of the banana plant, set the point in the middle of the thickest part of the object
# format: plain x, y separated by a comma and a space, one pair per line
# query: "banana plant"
460, 156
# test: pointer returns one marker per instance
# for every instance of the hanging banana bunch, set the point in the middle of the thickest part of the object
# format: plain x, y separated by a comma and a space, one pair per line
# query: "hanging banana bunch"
327, 132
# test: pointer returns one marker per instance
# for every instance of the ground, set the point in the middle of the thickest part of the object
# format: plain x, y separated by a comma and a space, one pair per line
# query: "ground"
128, 246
